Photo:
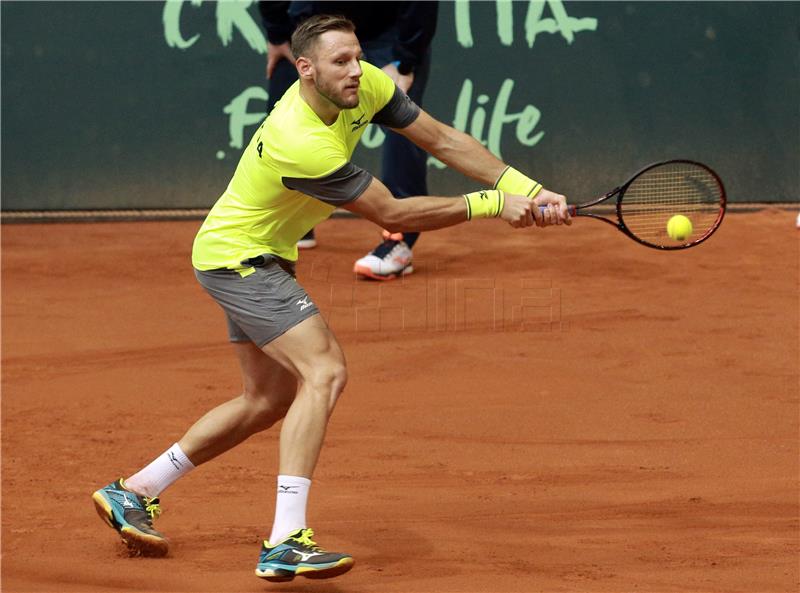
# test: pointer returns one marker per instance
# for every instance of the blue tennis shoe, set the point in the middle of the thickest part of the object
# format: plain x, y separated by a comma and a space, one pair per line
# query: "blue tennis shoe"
131, 515
298, 554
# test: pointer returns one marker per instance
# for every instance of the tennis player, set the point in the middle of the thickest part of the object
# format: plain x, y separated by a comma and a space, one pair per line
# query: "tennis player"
294, 173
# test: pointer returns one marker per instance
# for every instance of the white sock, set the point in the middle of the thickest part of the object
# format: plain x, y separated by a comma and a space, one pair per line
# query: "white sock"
290, 507
163, 471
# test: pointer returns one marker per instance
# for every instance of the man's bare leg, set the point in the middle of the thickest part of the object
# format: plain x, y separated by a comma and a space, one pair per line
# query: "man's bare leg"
269, 389
312, 352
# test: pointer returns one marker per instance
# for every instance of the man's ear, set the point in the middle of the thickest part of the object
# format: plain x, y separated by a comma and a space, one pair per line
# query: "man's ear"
304, 67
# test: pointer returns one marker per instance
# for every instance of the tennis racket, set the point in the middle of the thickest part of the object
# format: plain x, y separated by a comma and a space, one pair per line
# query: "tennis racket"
648, 200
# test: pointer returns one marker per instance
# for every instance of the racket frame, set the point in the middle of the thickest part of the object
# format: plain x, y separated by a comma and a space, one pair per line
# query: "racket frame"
620, 193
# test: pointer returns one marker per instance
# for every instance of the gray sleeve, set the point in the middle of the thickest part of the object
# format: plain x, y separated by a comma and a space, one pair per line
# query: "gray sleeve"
340, 187
398, 113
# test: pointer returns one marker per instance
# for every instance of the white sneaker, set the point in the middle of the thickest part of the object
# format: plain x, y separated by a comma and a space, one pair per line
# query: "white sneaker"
390, 260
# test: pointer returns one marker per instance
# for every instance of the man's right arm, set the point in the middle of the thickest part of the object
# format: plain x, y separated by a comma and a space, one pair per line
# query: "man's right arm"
426, 213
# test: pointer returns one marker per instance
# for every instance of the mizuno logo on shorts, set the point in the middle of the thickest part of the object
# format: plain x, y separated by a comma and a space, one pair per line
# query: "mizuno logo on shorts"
304, 304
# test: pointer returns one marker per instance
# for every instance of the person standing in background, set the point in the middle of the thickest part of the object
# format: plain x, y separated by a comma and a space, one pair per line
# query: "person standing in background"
396, 37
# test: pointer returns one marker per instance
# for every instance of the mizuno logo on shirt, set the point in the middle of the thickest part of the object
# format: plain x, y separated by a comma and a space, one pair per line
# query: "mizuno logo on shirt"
357, 123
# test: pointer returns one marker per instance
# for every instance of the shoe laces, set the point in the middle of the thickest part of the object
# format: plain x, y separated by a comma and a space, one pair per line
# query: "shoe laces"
305, 538
151, 506
387, 248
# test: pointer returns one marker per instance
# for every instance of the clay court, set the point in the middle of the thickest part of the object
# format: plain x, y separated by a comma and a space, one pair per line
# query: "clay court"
537, 410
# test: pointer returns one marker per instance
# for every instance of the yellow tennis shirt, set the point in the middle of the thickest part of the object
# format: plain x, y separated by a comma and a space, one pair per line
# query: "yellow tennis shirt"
258, 214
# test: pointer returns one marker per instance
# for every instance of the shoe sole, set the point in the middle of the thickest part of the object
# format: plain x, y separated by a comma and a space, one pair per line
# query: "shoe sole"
365, 272
138, 542
306, 244
281, 575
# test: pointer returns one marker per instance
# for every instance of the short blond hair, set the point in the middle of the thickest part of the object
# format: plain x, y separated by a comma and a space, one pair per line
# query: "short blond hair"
306, 35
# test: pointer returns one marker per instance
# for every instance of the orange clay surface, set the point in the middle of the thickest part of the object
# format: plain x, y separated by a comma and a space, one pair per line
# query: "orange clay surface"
533, 410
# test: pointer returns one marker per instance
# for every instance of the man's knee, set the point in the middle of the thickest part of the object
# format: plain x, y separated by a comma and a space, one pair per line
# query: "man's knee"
339, 374
330, 376
328, 380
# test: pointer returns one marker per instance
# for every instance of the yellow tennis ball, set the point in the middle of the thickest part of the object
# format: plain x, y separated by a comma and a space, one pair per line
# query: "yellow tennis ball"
679, 228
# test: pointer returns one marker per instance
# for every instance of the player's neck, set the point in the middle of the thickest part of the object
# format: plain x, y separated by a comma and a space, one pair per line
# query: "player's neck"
325, 110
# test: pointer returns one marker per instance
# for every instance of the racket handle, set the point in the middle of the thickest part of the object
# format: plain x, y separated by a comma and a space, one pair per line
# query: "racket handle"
571, 209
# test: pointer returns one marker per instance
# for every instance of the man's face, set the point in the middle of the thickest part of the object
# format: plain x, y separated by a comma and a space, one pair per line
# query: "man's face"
336, 68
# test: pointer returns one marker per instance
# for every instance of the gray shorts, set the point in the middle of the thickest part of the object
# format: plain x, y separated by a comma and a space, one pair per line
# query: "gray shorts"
261, 306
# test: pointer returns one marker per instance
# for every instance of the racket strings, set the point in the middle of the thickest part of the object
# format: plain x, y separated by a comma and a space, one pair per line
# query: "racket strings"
662, 192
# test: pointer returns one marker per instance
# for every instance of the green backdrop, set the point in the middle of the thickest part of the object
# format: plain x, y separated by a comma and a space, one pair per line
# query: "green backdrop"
148, 104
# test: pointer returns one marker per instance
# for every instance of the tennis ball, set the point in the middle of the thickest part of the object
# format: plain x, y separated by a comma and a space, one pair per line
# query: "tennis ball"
679, 227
